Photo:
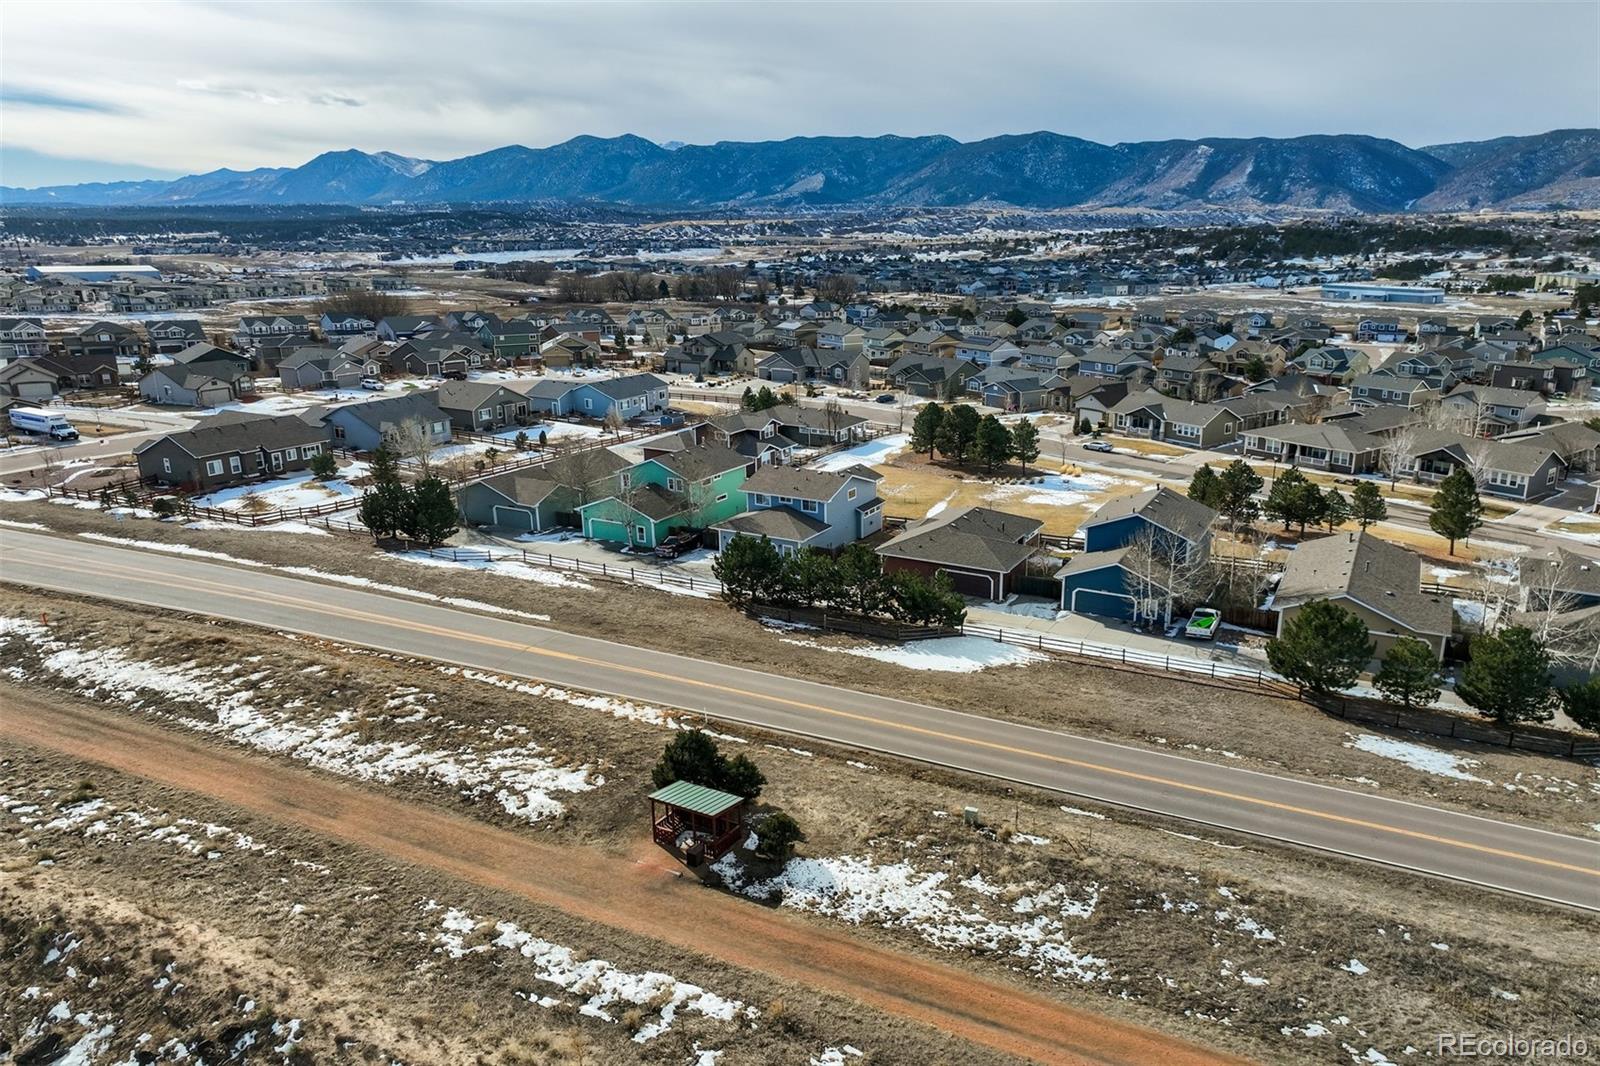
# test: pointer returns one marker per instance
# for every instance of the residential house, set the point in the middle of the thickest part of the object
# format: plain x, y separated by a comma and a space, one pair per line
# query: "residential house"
1380, 387
1488, 411
1380, 329
229, 449
1129, 543
1331, 446
1196, 425
930, 376
1090, 399
630, 396
26, 379
838, 367
199, 385
1103, 362
1012, 388
364, 426
757, 434
987, 351
1528, 469
1576, 443
345, 324
841, 336
533, 500
1254, 410
103, 340
817, 427
404, 327
882, 344
1187, 377
1332, 365
1378, 582
694, 488
171, 335
797, 508
1435, 367
22, 338
82, 370
325, 368
932, 342
253, 332
437, 354
482, 406
706, 355
201, 354
984, 552
569, 349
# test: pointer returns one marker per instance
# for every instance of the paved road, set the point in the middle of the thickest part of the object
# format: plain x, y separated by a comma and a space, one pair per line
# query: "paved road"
1533, 862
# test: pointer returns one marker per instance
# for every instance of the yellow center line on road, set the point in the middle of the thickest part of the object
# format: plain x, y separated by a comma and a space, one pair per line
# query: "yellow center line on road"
353, 614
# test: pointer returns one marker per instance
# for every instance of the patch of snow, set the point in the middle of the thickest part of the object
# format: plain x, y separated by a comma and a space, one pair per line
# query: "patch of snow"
955, 655
1417, 756
1357, 967
868, 453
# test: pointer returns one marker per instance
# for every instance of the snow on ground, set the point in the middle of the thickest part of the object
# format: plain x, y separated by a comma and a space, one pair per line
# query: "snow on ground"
523, 780
617, 708
1047, 609
597, 988
311, 572
285, 493
1034, 931
954, 655
939, 508
503, 567
1417, 756
878, 450
300, 528
23, 525
1057, 490
1560, 530
21, 495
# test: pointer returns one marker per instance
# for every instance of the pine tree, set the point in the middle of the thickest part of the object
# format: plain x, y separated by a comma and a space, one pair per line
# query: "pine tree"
1507, 677
433, 518
1322, 648
1025, 442
1205, 487
925, 428
1410, 673
1457, 510
1366, 504
750, 570
384, 508
1237, 500
324, 466
993, 443
1581, 701
1335, 508
1288, 501
384, 466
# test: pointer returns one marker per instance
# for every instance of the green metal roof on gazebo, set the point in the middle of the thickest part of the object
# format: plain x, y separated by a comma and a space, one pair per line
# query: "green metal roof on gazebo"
686, 795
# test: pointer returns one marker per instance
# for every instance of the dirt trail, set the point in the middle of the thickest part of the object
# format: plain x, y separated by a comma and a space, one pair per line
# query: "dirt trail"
643, 897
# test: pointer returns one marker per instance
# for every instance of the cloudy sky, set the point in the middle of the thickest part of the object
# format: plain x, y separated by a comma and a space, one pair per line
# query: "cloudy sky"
93, 92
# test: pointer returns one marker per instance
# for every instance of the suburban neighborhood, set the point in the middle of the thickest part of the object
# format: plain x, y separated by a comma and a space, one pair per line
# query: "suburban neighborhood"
699, 560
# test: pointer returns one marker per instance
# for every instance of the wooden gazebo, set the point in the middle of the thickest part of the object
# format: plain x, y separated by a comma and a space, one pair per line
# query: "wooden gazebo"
695, 823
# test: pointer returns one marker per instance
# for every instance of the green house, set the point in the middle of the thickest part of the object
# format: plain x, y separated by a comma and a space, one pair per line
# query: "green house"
693, 487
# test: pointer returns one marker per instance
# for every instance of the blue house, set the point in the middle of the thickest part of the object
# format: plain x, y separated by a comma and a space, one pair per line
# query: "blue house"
797, 508
631, 396
1112, 578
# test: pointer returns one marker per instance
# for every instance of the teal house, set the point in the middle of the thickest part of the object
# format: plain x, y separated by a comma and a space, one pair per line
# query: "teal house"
691, 487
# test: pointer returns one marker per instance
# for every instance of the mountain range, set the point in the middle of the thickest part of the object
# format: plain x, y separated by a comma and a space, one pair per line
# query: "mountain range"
1343, 172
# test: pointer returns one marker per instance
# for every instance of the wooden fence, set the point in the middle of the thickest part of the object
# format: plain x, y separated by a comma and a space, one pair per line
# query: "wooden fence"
1459, 727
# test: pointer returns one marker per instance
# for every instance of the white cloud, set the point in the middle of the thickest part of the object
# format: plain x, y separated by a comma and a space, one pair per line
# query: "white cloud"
194, 86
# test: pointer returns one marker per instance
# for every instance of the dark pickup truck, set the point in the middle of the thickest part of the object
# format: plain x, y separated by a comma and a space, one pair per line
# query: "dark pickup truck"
678, 543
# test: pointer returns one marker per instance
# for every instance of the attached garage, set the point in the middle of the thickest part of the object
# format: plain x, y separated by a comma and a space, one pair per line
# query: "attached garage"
983, 552
516, 502
516, 519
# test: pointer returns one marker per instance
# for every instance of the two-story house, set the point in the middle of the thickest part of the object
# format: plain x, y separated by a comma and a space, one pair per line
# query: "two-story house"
630, 397
1108, 578
695, 487
797, 508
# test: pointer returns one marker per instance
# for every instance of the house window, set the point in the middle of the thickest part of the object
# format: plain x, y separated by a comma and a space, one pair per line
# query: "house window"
214, 467
234, 465
758, 499
277, 460
674, 484
850, 494
166, 466
641, 532
808, 506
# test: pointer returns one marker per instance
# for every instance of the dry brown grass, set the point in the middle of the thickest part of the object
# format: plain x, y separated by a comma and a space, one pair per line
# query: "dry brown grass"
912, 485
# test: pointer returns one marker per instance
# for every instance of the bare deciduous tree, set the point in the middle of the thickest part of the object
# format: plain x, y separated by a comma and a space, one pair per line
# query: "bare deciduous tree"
1163, 571
1399, 452
413, 441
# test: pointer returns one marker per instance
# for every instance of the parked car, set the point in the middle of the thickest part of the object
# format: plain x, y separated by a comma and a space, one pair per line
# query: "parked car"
1098, 446
1203, 624
678, 543
886, 397
372, 384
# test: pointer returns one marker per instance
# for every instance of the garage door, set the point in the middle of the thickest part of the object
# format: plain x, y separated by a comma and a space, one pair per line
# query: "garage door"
1100, 604
518, 518
972, 584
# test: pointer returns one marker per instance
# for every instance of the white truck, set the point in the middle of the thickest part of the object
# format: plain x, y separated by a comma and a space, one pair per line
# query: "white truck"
1203, 624
44, 423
